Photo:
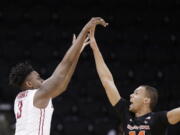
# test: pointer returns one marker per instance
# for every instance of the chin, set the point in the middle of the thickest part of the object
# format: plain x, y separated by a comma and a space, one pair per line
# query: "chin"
131, 109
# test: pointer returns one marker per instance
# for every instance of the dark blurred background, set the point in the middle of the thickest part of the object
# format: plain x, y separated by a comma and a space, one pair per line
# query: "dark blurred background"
141, 45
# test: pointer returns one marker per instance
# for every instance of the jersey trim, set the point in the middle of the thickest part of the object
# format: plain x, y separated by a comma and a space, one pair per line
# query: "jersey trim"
41, 121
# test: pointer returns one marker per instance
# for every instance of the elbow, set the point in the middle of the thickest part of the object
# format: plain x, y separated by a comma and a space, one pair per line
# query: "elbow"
173, 122
174, 116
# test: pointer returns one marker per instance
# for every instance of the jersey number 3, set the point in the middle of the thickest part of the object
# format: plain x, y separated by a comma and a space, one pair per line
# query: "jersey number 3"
134, 133
20, 105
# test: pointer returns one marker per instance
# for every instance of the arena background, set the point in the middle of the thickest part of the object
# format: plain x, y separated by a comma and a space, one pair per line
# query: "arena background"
141, 45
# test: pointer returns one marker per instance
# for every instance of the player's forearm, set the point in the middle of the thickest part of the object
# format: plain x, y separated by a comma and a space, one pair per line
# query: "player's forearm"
71, 71
111, 92
101, 66
72, 68
174, 116
106, 78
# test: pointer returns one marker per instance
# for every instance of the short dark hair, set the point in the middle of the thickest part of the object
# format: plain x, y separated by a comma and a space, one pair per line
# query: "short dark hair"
152, 93
19, 73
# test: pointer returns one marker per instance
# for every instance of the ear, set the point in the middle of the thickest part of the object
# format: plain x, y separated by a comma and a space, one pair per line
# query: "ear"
28, 84
147, 100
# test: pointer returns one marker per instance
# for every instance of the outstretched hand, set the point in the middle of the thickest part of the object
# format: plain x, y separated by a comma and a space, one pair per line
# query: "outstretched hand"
91, 35
90, 27
95, 21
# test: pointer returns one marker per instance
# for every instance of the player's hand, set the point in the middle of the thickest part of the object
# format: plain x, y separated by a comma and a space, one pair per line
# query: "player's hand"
93, 43
95, 21
85, 43
74, 39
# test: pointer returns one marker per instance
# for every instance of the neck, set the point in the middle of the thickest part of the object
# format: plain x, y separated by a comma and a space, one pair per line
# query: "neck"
24, 87
142, 112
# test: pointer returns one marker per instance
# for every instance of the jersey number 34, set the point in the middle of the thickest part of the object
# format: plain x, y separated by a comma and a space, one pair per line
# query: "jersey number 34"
134, 133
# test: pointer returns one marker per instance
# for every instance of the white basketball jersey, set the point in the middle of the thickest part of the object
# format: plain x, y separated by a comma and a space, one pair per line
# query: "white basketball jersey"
31, 120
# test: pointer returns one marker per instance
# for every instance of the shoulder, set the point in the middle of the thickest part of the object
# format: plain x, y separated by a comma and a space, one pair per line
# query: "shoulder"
159, 114
32, 91
122, 105
160, 117
122, 110
121, 102
22, 94
26, 93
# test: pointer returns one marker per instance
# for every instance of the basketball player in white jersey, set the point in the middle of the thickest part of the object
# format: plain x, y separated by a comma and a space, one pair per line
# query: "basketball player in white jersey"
33, 106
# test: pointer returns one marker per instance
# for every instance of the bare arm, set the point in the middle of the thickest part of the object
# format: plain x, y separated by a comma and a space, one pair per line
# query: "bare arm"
174, 116
72, 68
104, 73
58, 81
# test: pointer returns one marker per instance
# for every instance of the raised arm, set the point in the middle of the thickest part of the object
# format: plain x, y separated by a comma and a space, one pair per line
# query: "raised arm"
72, 68
174, 116
57, 82
104, 73
85, 43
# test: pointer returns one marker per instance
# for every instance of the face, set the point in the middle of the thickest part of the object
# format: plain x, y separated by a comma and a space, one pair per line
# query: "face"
137, 99
33, 80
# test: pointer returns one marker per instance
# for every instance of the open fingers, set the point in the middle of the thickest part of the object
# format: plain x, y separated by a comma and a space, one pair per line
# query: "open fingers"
86, 43
101, 21
74, 38
87, 38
